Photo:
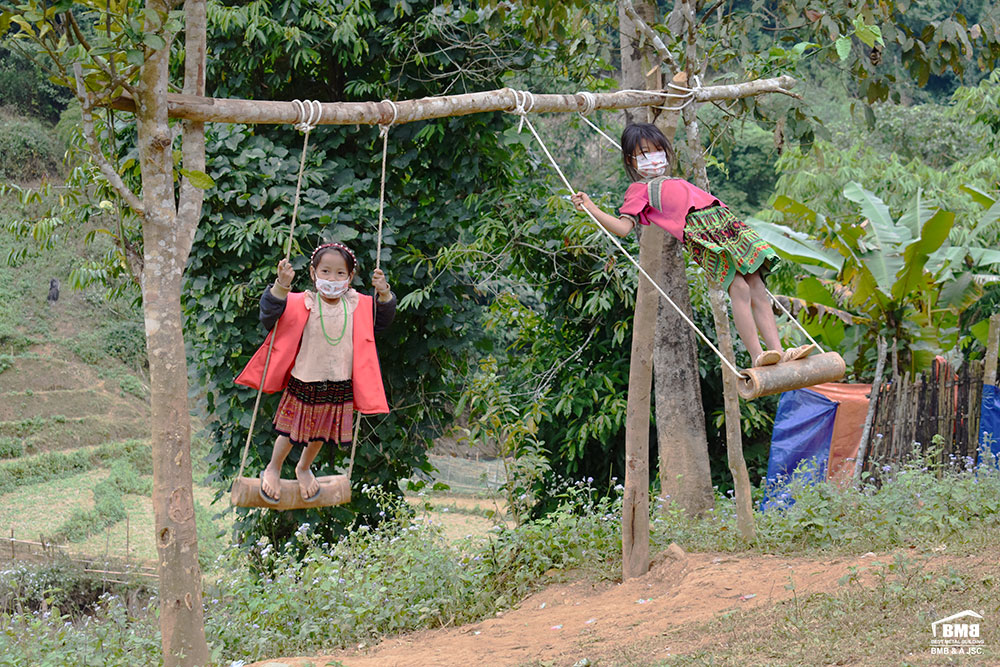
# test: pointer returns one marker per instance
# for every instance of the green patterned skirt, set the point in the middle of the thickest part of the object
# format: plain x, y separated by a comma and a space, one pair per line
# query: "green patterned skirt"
723, 245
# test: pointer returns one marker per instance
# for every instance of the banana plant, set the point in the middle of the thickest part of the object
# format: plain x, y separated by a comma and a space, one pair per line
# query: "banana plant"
907, 279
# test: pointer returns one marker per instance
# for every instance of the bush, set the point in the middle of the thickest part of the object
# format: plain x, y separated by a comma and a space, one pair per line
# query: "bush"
125, 340
111, 637
921, 501
11, 448
26, 88
28, 149
27, 587
53, 465
109, 505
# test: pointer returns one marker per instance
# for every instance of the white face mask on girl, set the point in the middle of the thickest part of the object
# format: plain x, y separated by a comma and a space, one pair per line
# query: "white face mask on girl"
332, 289
652, 164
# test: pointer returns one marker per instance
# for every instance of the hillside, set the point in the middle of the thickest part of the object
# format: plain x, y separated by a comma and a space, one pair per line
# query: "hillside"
74, 410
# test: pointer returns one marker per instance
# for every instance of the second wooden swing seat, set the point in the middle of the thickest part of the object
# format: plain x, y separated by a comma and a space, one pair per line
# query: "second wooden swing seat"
768, 380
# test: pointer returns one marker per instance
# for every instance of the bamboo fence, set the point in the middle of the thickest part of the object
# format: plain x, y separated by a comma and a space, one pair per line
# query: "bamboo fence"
915, 409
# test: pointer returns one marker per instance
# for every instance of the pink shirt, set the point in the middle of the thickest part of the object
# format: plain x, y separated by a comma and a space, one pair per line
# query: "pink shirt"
677, 199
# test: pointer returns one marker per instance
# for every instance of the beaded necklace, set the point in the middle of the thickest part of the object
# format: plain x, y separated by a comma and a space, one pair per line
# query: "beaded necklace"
322, 324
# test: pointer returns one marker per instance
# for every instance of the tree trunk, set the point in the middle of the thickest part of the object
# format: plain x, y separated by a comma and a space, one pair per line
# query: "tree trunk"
685, 474
166, 241
635, 504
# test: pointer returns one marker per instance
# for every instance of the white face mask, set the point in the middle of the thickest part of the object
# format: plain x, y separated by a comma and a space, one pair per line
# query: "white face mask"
332, 289
652, 164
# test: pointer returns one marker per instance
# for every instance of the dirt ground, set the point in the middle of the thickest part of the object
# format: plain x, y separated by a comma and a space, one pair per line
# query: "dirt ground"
567, 623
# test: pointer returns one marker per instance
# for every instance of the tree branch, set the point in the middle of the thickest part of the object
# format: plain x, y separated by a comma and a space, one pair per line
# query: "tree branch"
86, 104
736, 91
709, 11
193, 138
643, 29
114, 79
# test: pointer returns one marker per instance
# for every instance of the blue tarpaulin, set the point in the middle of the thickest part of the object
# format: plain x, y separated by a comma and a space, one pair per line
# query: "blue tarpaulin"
803, 428
989, 420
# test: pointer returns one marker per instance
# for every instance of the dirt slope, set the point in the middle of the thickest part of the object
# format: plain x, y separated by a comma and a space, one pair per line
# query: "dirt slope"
566, 623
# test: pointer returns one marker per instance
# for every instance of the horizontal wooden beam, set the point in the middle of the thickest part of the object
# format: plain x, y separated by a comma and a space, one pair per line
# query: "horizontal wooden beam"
220, 110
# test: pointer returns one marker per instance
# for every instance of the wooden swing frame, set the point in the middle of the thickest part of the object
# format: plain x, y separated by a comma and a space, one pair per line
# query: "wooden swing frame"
199, 108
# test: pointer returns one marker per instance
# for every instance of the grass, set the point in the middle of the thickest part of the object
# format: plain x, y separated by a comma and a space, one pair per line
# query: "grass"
879, 615
50, 466
42, 507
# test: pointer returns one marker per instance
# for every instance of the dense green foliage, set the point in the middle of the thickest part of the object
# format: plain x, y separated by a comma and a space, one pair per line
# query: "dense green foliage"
28, 151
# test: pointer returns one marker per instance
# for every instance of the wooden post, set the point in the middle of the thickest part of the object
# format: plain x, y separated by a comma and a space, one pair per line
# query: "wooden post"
992, 342
859, 459
635, 503
734, 434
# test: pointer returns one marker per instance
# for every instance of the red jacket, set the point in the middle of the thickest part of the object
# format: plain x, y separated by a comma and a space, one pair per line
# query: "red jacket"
369, 392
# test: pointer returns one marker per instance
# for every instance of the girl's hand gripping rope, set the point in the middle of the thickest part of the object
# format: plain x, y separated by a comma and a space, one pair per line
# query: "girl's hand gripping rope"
283, 283
381, 286
581, 200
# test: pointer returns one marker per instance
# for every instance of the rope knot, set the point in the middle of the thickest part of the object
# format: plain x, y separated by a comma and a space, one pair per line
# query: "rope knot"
589, 101
383, 128
307, 114
524, 102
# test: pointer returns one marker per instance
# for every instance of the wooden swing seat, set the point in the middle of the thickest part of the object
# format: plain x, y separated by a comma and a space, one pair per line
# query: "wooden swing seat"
768, 380
333, 490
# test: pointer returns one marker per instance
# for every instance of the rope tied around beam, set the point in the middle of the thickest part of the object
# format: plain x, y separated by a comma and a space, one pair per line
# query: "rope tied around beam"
523, 101
308, 114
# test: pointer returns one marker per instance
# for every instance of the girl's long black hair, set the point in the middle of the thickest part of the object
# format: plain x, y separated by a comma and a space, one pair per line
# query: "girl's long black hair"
632, 138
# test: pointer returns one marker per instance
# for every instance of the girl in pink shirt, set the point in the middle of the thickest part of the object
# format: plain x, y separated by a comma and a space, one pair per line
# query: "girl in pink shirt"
731, 253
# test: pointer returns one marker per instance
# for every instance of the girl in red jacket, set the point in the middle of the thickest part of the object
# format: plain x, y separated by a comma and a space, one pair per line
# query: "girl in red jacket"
323, 358
731, 253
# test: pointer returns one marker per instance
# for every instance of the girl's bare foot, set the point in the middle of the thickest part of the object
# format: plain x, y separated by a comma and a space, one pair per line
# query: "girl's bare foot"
270, 483
308, 485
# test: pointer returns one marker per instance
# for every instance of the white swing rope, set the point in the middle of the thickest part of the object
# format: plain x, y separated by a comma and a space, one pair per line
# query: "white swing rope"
524, 101
773, 298
384, 132
308, 114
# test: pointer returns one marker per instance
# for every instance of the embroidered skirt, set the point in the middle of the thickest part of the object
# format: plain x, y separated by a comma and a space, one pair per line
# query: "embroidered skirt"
723, 245
311, 411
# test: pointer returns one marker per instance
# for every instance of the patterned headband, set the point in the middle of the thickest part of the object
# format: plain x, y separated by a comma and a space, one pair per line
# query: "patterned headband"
339, 246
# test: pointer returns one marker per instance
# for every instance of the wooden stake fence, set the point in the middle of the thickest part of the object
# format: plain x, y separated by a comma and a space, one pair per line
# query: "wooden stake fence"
911, 410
